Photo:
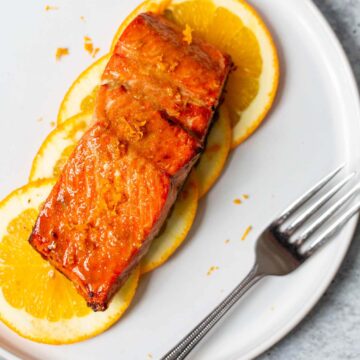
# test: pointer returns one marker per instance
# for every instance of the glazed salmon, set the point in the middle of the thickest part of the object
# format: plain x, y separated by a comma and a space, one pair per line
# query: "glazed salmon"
183, 80
153, 111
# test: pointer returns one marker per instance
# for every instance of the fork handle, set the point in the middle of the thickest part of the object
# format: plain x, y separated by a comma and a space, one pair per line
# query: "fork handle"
190, 341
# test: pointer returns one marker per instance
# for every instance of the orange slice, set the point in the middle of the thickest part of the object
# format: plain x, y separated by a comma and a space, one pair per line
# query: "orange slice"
177, 227
81, 95
213, 159
37, 301
58, 146
236, 28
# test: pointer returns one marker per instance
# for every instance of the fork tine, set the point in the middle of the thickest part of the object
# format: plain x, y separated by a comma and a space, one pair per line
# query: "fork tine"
332, 229
325, 217
300, 220
294, 206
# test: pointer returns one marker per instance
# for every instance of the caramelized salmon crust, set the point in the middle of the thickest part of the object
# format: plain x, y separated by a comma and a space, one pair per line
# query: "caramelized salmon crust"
153, 112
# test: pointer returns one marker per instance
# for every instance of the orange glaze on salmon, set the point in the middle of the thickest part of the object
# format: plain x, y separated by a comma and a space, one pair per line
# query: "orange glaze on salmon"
153, 112
157, 64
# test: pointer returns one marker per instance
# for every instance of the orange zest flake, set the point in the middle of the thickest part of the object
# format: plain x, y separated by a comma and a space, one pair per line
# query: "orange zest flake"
246, 233
227, 241
238, 201
49, 7
60, 52
187, 34
96, 50
89, 46
82, 18
212, 269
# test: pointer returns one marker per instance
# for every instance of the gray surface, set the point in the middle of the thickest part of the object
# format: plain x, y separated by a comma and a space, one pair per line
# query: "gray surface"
332, 329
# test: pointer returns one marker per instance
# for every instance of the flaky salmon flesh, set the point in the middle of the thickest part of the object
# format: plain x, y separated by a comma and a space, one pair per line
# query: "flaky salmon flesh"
153, 112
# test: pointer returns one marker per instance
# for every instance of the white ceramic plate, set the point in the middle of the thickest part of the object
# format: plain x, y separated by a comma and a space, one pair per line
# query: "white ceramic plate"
313, 128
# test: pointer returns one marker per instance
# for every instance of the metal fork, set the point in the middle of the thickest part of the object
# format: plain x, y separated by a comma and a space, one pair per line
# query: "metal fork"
279, 250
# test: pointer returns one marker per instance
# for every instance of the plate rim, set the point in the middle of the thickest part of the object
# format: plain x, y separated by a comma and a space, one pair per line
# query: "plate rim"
294, 322
288, 326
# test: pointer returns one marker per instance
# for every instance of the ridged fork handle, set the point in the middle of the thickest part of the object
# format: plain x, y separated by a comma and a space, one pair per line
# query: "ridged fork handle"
189, 342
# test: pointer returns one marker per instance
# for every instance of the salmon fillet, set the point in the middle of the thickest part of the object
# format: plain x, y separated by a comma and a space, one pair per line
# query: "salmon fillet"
153, 112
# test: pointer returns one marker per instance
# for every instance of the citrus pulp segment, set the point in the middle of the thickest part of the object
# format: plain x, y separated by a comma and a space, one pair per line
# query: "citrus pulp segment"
81, 95
58, 146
